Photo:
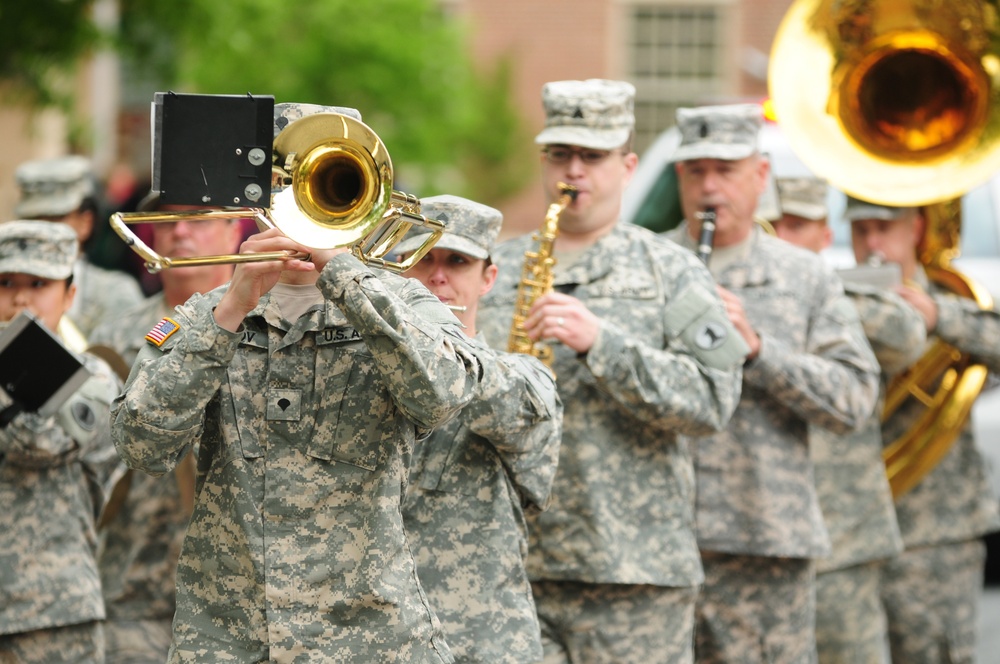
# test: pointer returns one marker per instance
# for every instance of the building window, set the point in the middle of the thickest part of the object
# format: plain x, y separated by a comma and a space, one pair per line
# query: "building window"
675, 58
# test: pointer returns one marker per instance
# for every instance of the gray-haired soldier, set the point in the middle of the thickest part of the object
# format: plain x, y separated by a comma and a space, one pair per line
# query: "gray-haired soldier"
472, 480
758, 517
304, 385
143, 528
851, 478
643, 352
62, 189
54, 471
931, 590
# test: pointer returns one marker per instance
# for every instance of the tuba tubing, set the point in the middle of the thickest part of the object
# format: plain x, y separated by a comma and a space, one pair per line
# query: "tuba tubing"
895, 104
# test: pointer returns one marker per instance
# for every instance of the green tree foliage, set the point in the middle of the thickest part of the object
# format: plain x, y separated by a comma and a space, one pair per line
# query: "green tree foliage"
402, 63
39, 40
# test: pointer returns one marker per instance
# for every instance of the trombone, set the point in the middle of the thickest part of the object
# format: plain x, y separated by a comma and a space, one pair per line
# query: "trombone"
331, 186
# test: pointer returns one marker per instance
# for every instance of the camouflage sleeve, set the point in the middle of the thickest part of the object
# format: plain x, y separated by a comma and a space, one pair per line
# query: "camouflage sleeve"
692, 385
833, 382
970, 329
518, 410
895, 330
160, 415
79, 427
425, 360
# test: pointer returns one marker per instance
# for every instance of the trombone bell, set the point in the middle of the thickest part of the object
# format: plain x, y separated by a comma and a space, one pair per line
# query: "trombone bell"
331, 187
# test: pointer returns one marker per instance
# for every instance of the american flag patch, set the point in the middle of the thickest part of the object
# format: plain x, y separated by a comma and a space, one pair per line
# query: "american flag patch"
162, 331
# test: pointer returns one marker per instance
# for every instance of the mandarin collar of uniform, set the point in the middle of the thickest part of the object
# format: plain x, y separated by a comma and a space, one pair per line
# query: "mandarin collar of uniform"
332, 316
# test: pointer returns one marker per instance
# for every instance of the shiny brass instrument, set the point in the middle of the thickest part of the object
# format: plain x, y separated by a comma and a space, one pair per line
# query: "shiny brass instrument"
536, 277
945, 381
896, 103
331, 186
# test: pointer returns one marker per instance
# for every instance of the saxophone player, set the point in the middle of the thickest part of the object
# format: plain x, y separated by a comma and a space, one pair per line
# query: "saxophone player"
643, 352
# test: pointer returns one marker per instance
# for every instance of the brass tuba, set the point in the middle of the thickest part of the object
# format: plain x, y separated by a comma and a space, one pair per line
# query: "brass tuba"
896, 102
331, 186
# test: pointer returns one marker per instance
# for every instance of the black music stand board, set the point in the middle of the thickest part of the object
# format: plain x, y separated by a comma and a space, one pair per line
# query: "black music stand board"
37, 372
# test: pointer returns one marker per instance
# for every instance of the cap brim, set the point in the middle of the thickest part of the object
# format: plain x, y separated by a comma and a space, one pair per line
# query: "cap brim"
49, 206
17, 265
706, 150
805, 210
447, 241
871, 212
584, 137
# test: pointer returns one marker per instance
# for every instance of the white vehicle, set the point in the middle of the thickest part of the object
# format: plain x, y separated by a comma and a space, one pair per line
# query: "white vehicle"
979, 259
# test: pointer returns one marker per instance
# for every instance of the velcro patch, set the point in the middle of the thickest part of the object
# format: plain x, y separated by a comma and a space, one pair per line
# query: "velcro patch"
162, 331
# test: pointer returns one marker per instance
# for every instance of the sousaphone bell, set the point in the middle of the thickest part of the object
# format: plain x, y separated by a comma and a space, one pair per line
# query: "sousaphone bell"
895, 102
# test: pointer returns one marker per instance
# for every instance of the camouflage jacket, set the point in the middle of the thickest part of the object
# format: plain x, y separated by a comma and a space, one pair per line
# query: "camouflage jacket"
101, 295
470, 482
305, 432
140, 545
54, 475
622, 507
954, 502
756, 491
853, 489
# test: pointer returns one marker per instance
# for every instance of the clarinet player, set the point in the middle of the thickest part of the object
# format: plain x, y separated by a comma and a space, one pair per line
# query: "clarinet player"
643, 351
758, 518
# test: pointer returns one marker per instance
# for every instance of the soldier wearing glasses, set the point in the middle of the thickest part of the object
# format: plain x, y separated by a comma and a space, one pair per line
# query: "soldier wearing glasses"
613, 560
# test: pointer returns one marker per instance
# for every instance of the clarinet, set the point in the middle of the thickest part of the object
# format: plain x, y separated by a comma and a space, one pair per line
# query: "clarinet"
707, 234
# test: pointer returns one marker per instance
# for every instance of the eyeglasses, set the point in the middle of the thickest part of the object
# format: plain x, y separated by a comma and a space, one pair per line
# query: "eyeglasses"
558, 154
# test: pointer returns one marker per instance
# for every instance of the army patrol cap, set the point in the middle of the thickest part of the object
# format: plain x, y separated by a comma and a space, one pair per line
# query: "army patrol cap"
718, 132
288, 112
46, 249
471, 228
857, 209
804, 197
596, 113
53, 187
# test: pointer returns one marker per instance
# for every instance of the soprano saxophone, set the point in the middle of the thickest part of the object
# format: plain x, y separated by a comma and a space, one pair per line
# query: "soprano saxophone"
536, 277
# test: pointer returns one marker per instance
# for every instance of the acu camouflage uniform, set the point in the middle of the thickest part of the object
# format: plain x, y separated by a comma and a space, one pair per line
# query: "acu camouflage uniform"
296, 550
473, 478
53, 188
54, 475
855, 498
851, 481
621, 513
141, 542
470, 483
931, 590
756, 495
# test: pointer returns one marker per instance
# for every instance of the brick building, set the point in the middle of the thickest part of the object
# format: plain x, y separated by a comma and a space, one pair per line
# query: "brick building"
676, 52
